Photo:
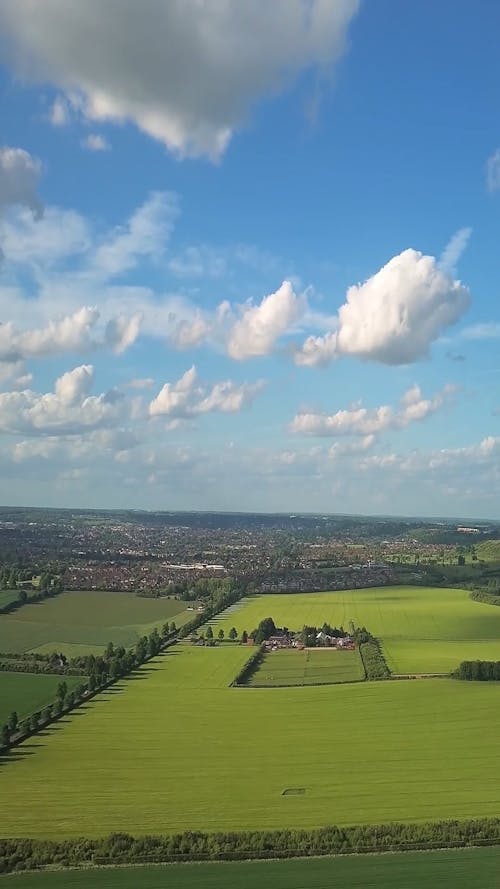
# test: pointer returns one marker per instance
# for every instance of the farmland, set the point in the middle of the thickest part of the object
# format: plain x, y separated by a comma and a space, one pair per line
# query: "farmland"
84, 622
459, 869
422, 629
175, 749
25, 692
290, 667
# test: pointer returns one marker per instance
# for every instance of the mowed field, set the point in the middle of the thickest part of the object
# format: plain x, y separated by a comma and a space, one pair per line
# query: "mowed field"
422, 629
290, 667
84, 622
26, 692
177, 749
458, 869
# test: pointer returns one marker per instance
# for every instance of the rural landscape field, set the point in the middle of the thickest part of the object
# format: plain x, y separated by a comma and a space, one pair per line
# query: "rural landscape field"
422, 629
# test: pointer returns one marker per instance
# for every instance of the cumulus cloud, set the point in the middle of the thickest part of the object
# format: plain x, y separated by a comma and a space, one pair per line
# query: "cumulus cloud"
259, 327
19, 175
187, 397
69, 410
395, 315
185, 73
365, 422
72, 333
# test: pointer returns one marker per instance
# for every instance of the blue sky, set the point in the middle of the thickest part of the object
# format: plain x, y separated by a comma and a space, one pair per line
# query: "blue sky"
250, 256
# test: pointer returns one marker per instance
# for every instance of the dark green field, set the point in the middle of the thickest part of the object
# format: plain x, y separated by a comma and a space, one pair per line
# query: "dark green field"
319, 666
459, 869
26, 692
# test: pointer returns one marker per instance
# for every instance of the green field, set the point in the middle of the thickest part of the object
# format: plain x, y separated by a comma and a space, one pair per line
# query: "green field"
422, 629
459, 869
313, 667
84, 622
26, 692
8, 596
177, 749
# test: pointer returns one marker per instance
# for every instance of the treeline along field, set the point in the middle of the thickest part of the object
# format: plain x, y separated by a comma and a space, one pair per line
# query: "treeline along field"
177, 749
460, 869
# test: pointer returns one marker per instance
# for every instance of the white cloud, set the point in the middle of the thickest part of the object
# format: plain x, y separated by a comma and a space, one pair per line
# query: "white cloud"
187, 398
145, 235
57, 236
121, 332
69, 410
96, 142
259, 327
453, 250
394, 316
19, 175
488, 330
361, 421
185, 73
493, 171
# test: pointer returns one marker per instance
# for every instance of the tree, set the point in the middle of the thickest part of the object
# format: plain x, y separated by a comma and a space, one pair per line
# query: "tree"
244, 637
165, 630
173, 628
47, 713
62, 690
233, 634
35, 719
23, 596
221, 634
110, 650
210, 633
13, 721
5, 736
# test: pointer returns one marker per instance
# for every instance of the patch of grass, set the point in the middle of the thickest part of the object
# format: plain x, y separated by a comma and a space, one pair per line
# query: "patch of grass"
292, 667
28, 692
422, 629
489, 551
458, 869
176, 749
8, 596
84, 622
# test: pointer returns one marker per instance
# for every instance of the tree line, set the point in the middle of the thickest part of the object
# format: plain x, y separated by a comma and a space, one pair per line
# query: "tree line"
478, 671
122, 848
49, 585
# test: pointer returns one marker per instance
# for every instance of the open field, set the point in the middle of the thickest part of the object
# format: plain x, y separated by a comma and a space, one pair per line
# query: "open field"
27, 692
458, 869
176, 749
422, 629
84, 622
313, 667
489, 551
8, 596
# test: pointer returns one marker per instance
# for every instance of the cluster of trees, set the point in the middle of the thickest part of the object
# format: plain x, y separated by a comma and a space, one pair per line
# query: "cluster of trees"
31, 662
192, 590
122, 848
371, 654
265, 630
209, 638
488, 592
308, 635
478, 671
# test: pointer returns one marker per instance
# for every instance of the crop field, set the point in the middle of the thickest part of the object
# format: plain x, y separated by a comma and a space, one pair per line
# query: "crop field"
313, 667
175, 749
458, 869
422, 629
84, 622
27, 692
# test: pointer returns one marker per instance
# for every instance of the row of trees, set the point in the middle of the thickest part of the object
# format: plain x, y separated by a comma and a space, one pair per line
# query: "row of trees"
49, 586
371, 654
100, 670
478, 671
121, 848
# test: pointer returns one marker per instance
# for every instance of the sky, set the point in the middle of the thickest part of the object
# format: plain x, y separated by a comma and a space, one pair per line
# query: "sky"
250, 255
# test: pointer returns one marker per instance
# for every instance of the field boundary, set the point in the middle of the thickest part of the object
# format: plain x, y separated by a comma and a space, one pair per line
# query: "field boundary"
123, 849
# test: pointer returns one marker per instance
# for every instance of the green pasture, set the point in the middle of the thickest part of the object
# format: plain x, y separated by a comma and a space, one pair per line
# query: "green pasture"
28, 692
488, 551
84, 622
176, 749
8, 596
422, 629
289, 667
457, 869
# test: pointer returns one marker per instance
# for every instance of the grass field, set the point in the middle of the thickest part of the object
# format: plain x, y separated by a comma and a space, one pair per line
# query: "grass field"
458, 869
422, 629
84, 622
8, 596
292, 667
26, 692
176, 749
